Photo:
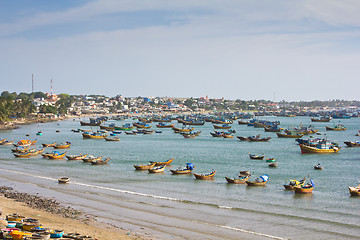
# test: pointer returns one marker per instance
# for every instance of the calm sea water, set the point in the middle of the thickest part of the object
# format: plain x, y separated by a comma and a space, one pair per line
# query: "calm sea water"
179, 207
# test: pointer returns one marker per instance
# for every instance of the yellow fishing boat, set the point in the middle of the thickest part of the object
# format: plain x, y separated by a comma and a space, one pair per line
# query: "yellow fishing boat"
319, 149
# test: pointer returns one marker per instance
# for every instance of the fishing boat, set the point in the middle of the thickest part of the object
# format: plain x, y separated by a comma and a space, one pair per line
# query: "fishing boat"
217, 134
111, 127
243, 138
240, 180
49, 144
228, 136
168, 162
56, 233
270, 160
289, 134
76, 157
261, 181
338, 127
240, 122
36, 152
163, 125
256, 157
15, 217
187, 170
20, 149
244, 173
56, 155
321, 119
93, 122
273, 164
63, 180
17, 234
6, 142
205, 176
131, 133
188, 135
352, 144
112, 138
144, 167
318, 167
354, 191
94, 135
272, 128
22, 155
125, 127
185, 129
293, 183
91, 158
158, 169
100, 162
319, 148
305, 189
224, 126
258, 139
62, 145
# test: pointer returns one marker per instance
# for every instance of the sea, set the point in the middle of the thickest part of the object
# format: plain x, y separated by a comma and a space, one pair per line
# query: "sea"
166, 206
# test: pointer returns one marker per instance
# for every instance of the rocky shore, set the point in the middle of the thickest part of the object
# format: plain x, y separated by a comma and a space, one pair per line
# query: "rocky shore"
41, 203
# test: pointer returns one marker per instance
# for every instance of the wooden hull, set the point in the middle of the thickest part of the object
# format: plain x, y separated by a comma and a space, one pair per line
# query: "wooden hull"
86, 135
281, 135
165, 126
242, 122
354, 191
335, 129
207, 176
144, 167
221, 127
259, 139
22, 155
86, 160
302, 190
112, 139
320, 120
228, 136
58, 146
89, 124
124, 128
49, 145
107, 128
252, 183
60, 156
308, 149
76, 157
243, 138
182, 129
352, 144
237, 180
288, 187
100, 162
168, 162
256, 157
273, 164
181, 171
271, 130
159, 169
64, 180
216, 135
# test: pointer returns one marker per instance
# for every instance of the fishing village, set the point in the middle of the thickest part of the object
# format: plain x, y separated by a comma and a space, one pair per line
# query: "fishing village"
179, 120
314, 132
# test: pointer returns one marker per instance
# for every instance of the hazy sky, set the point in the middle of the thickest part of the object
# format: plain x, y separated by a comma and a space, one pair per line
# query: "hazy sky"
237, 49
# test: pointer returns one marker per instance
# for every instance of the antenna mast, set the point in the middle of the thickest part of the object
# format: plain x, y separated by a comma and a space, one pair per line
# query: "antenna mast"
51, 87
32, 83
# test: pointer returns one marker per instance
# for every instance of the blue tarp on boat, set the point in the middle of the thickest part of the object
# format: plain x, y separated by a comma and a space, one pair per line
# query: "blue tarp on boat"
190, 166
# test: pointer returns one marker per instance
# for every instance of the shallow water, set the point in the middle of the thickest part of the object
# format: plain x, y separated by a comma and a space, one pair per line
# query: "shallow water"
180, 207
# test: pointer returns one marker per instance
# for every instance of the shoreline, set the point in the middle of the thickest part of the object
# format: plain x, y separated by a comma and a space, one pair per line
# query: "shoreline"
51, 214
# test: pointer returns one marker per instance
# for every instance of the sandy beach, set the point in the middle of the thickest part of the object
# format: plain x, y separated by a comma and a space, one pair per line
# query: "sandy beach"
89, 227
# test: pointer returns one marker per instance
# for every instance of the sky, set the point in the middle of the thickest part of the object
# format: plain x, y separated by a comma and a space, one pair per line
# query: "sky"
298, 50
